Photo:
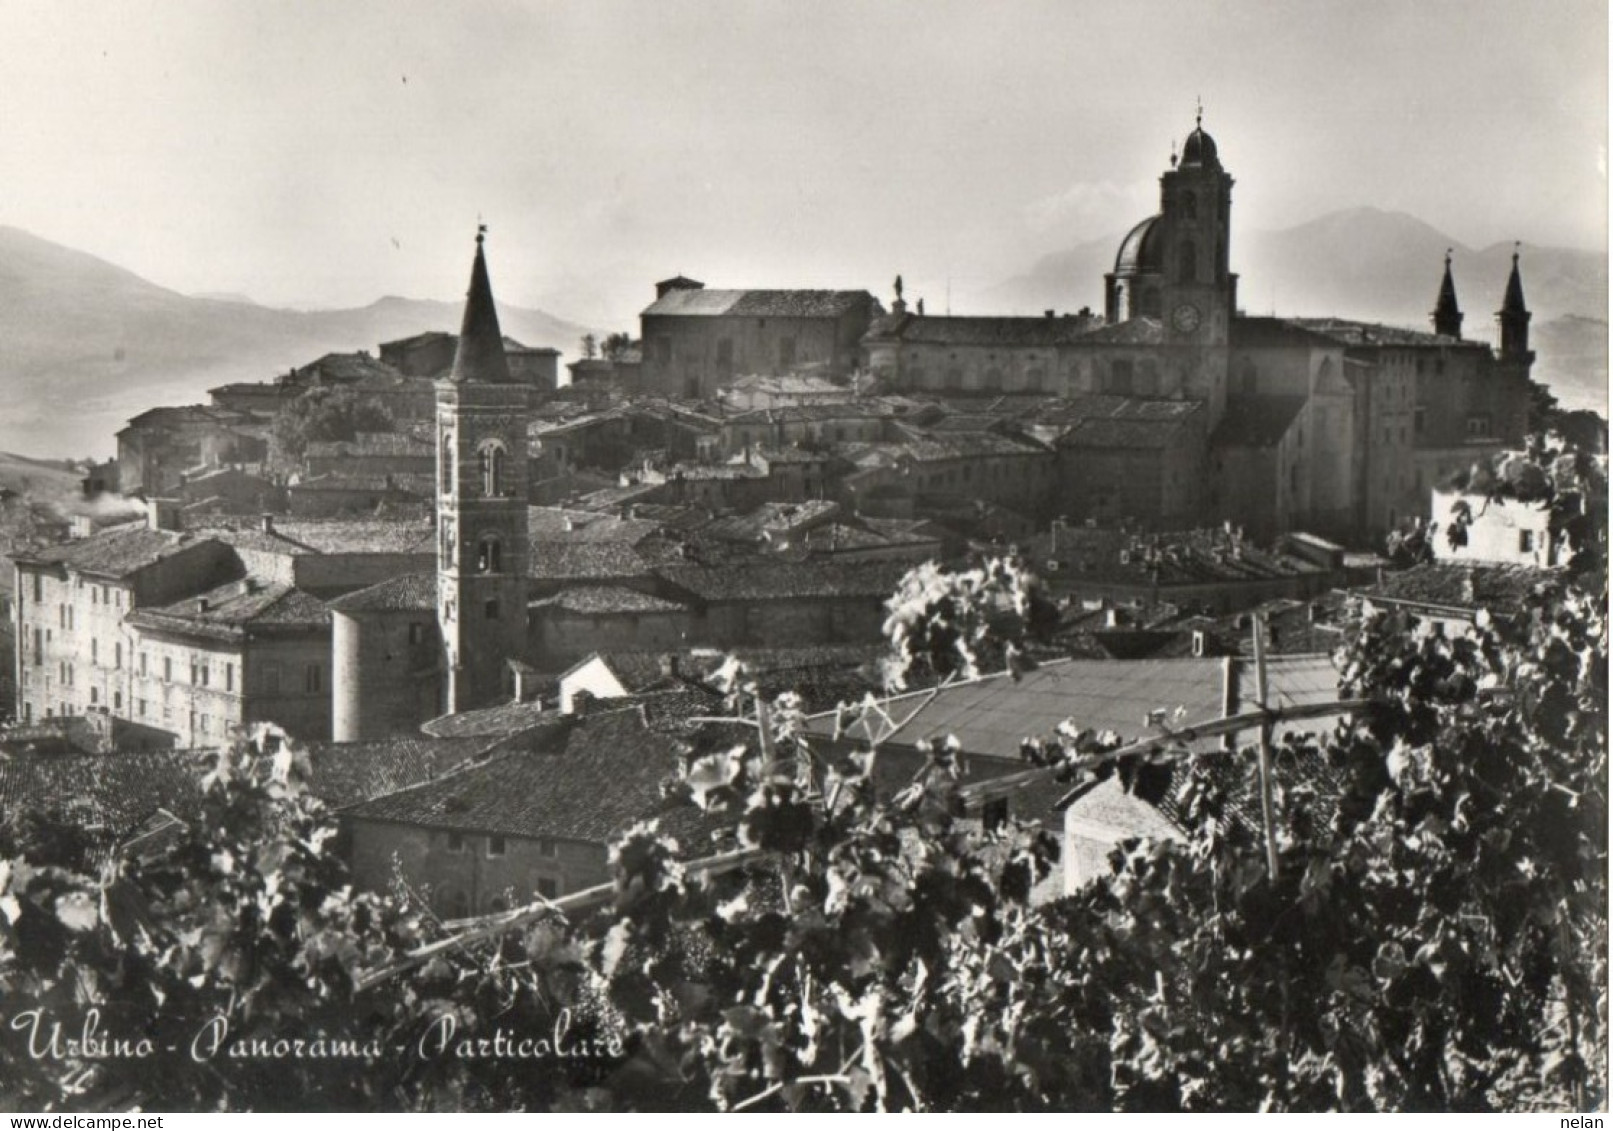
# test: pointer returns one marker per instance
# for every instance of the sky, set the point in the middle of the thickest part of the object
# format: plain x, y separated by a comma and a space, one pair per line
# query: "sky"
326, 154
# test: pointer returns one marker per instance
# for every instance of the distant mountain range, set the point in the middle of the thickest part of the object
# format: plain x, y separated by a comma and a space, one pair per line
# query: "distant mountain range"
1376, 266
84, 344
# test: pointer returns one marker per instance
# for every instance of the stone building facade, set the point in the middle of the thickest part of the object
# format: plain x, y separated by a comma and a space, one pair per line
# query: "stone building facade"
696, 341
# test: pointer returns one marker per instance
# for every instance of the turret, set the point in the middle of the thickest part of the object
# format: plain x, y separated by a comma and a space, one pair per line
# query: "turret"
1447, 315
1514, 318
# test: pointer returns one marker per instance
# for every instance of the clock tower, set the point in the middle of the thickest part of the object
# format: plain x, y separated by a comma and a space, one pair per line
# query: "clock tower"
1198, 294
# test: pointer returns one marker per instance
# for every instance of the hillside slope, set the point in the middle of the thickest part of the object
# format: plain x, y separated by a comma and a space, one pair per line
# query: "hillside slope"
85, 344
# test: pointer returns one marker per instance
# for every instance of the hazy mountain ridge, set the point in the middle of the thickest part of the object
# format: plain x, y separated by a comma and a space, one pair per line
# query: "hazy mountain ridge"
85, 344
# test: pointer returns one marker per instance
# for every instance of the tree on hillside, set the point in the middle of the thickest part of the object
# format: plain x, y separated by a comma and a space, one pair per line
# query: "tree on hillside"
615, 346
326, 413
590, 347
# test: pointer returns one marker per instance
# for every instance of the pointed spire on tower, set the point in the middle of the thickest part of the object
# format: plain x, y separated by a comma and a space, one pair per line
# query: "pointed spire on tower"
480, 356
1447, 315
1514, 315
1513, 303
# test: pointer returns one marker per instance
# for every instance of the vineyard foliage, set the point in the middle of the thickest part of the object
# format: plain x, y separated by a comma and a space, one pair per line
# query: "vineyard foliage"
1434, 937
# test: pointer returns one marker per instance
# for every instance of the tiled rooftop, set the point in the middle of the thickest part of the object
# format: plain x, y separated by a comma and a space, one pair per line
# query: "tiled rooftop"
595, 600
606, 776
109, 795
347, 773
415, 592
586, 526
759, 304
1501, 588
776, 580
1353, 333
1186, 557
229, 610
361, 536
991, 715
116, 552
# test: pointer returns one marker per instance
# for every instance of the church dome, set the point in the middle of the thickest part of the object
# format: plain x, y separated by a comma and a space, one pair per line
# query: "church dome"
1199, 149
1140, 252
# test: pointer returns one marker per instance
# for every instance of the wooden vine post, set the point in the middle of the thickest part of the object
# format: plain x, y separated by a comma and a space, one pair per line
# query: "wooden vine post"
1267, 819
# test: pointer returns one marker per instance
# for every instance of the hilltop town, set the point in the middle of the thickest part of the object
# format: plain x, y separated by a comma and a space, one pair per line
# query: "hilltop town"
490, 599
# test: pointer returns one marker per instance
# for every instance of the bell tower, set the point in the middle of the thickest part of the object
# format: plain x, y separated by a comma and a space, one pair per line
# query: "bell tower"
482, 538
1198, 294
1514, 319
1447, 314
1195, 206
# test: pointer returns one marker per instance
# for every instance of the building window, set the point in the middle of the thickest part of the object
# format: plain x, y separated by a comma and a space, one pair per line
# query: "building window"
117, 653
1419, 420
1526, 541
445, 462
39, 588
492, 609
39, 647
229, 677
95, 695
312, 678
1478, 427
495, 846
547, 847
490, 465
195, 677
417, 633
549, 888
117, 700
140, 707
786, 352
167, 669
270, 679
489, 555
456, 842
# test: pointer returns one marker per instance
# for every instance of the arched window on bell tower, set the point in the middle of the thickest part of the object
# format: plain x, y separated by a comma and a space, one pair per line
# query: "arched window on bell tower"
489, 555
1190, 206
490, 465
1188, 256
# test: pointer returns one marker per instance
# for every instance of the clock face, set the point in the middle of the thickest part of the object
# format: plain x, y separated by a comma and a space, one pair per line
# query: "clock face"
1185, 318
